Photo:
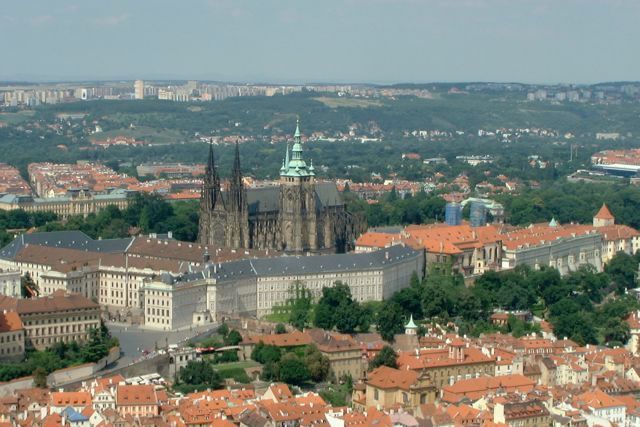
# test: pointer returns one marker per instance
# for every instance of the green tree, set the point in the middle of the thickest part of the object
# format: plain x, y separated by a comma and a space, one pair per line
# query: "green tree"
233, 338
280, 329
292, 370
223, 330
264, 354
200, 375
386, 357
40, 377
28, 287
317, 364
390, 321
332, 298
623, 270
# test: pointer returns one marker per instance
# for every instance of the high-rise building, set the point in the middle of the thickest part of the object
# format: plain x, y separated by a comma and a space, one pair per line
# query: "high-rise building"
139, 89
453, 213
478, 214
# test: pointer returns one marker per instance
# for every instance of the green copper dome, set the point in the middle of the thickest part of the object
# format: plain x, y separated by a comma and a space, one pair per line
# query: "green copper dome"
296, 166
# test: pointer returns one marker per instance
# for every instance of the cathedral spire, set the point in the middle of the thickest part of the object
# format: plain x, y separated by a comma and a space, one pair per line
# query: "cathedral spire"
211, 187
295, 165
236, 187
210, 164
296, 136
236, 173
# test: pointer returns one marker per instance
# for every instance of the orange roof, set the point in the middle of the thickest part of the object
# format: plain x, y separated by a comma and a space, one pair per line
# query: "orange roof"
604, 213
377, 239
451, 239
617, 232
136, 395
475, 388
597, 399
281, 391
389, 378
439, 357
10, 322
540, 234
71, 398
291, 339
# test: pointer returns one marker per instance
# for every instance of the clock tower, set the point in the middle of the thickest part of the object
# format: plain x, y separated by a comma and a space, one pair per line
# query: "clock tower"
298, 213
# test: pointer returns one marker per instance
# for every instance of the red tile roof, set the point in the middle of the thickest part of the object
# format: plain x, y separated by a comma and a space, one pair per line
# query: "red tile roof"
604, 213
10, 322
389, 378
136, 395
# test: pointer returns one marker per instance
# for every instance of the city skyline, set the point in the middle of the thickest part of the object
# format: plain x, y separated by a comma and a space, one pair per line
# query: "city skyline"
382, 41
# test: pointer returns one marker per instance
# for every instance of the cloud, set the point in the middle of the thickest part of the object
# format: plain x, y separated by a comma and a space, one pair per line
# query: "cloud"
112, 20
39, 20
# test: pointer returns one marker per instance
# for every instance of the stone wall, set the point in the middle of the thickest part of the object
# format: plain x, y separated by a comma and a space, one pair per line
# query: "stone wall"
9, 388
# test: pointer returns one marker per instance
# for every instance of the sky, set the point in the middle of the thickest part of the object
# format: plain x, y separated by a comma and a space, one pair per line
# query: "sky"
306, 41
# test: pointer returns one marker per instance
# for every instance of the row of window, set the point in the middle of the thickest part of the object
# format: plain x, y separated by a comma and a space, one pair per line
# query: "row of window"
10, 338
11, 350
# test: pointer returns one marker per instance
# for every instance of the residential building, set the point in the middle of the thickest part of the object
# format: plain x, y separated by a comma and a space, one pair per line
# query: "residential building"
476, 388
138, 88
602, 405
11, 337
530, 413
137, 400
455, 362
59, 317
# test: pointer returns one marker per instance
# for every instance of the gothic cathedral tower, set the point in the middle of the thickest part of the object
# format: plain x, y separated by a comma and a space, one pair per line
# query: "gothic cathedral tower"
213, 214
298, 215
238, 212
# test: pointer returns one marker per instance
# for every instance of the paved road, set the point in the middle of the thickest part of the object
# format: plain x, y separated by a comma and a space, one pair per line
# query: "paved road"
134, 340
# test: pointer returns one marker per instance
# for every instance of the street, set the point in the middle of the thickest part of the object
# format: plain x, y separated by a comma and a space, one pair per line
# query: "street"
135, 340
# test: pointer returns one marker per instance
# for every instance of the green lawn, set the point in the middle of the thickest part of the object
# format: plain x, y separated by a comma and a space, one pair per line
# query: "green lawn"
235, 370
143, 133
233, 365
332, 102
277, 317
15, 118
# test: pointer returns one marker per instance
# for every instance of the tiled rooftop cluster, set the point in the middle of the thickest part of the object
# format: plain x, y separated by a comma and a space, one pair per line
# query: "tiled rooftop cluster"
551, 382
52, 180
11, 182
622, 157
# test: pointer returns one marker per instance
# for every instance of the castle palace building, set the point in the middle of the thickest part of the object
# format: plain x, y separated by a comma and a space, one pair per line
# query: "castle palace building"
298, 215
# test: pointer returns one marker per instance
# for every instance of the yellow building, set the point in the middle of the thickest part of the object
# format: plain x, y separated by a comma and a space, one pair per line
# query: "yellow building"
388, 387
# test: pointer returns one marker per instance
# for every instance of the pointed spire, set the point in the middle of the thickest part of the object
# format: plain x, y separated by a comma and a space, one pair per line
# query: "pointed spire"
286, 158
236, 173
210, 163
297, 133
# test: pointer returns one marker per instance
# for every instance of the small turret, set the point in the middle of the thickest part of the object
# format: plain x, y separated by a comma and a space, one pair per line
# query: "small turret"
411, 328
604, 217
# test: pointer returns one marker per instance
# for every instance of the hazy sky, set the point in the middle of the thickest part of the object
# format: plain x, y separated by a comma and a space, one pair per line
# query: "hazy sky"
379, 41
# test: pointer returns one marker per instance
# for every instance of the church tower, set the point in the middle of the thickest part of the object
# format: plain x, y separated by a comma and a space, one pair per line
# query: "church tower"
238, 219
212, 211
298, 216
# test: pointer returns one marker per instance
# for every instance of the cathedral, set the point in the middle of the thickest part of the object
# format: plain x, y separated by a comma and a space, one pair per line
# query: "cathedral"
298, 215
